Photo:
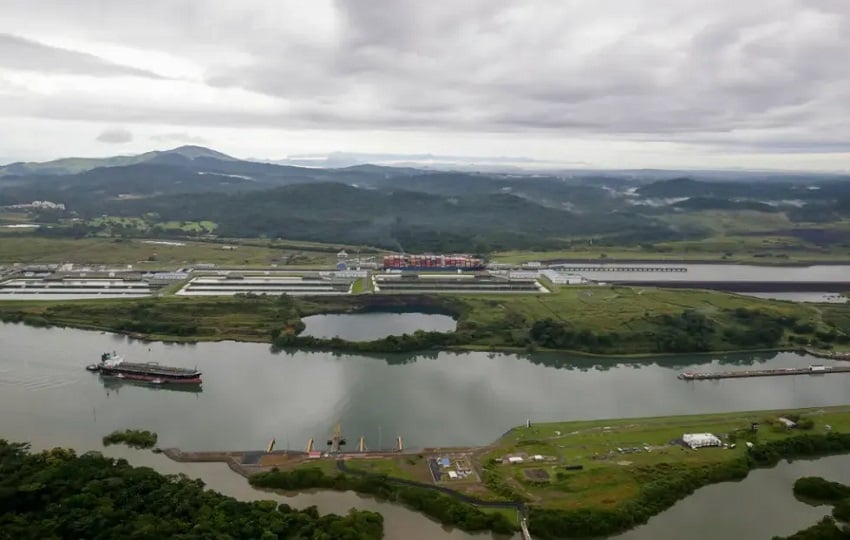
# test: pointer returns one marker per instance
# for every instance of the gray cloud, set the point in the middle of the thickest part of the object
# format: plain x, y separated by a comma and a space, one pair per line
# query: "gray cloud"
20, 53
770, 75
180, 137
115, 136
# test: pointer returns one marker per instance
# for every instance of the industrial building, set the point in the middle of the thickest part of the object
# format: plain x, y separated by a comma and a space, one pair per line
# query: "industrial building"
70, 288
432, 262
232, 284
448, 282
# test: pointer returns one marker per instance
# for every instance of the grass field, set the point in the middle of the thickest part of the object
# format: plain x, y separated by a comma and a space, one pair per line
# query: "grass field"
485, 322
409, 467
722, 247
603, 309
608, 476
609, 460
20, 248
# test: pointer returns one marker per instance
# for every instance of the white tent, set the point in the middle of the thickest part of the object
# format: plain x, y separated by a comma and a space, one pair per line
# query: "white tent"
700, 440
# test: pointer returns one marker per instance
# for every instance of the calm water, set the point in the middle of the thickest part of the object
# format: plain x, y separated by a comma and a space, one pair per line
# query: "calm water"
251, 395
830, 298
720, 272
759, 507
369, 326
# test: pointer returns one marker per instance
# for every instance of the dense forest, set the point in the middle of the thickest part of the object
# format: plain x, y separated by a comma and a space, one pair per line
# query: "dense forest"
402, 208
57, 494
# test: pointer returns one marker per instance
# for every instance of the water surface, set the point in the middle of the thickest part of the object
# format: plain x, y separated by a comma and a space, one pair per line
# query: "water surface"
251, 395
370, 326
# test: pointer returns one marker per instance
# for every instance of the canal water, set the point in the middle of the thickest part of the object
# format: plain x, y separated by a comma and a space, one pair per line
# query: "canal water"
715, 272
251, 395
815, 297
370, 326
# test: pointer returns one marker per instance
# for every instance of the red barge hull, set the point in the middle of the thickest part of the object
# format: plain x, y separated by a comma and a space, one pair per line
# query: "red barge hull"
150, 378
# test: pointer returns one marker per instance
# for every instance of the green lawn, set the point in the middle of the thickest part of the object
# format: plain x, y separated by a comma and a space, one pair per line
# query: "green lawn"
36, 249
728, 244
605, 309
609, 476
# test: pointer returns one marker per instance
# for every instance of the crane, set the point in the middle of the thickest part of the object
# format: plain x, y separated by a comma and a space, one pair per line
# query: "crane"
336, 442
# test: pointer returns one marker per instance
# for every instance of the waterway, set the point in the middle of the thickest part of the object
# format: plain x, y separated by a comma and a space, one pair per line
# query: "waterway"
717, 272
814, 297
251, 395
370, 326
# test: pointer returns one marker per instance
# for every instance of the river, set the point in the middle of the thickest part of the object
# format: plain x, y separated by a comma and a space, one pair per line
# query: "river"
715, 272
251, 395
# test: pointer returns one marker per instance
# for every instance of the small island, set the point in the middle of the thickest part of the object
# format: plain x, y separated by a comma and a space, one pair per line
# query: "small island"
816, 491
133, 438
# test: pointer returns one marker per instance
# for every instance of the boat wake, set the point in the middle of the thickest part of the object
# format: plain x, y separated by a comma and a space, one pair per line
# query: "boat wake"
35, 382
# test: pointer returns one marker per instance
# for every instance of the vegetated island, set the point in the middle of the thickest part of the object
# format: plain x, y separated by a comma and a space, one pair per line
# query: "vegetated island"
58, 494
816, 490
133, 438
599, 320
569, 479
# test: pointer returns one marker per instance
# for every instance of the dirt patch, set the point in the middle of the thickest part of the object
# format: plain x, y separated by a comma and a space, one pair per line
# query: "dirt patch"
537, 475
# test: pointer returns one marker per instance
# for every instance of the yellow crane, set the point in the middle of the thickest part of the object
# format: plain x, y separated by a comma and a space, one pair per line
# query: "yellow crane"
336, 442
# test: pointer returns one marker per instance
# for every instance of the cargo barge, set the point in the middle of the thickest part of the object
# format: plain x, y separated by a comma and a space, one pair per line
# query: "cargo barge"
437, 263
811, 370
113, 365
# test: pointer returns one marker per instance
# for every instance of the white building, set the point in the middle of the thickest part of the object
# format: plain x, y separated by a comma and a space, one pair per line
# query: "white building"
788, 423
701, 440
562, 278
515, 460
523, 274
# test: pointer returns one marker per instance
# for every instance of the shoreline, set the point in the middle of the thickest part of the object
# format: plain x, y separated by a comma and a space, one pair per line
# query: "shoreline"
542, 516
159, 338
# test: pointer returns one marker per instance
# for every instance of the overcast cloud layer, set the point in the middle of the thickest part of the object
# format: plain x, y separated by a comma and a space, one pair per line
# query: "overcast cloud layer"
610, 83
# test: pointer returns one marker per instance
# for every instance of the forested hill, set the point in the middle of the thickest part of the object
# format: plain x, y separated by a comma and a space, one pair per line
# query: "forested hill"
412, 209
396, 219
56, 494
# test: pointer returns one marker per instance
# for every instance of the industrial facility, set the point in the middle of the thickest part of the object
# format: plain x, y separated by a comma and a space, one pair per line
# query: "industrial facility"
433, 262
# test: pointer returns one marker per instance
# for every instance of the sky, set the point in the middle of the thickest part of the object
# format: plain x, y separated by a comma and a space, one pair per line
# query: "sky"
711, 84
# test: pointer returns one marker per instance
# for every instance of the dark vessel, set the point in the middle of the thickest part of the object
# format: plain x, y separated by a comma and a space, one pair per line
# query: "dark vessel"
112, 365
115, 384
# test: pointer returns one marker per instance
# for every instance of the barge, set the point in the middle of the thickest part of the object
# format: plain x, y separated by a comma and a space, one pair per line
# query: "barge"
113, 365
811, 370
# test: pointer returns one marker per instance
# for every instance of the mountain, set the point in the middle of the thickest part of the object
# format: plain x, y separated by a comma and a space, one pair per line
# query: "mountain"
398, 219
78, 165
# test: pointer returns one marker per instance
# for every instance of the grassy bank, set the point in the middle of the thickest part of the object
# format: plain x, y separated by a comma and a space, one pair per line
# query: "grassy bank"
595, 320
589, 478
28, 248
723, 248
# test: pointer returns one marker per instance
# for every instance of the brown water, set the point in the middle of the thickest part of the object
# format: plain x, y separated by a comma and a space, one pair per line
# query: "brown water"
251, 395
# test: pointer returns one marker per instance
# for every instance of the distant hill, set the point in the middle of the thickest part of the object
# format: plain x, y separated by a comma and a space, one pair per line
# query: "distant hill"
397, 219
78, 165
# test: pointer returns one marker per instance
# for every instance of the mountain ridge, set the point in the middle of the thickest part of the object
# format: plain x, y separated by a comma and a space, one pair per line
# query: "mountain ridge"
75, 165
